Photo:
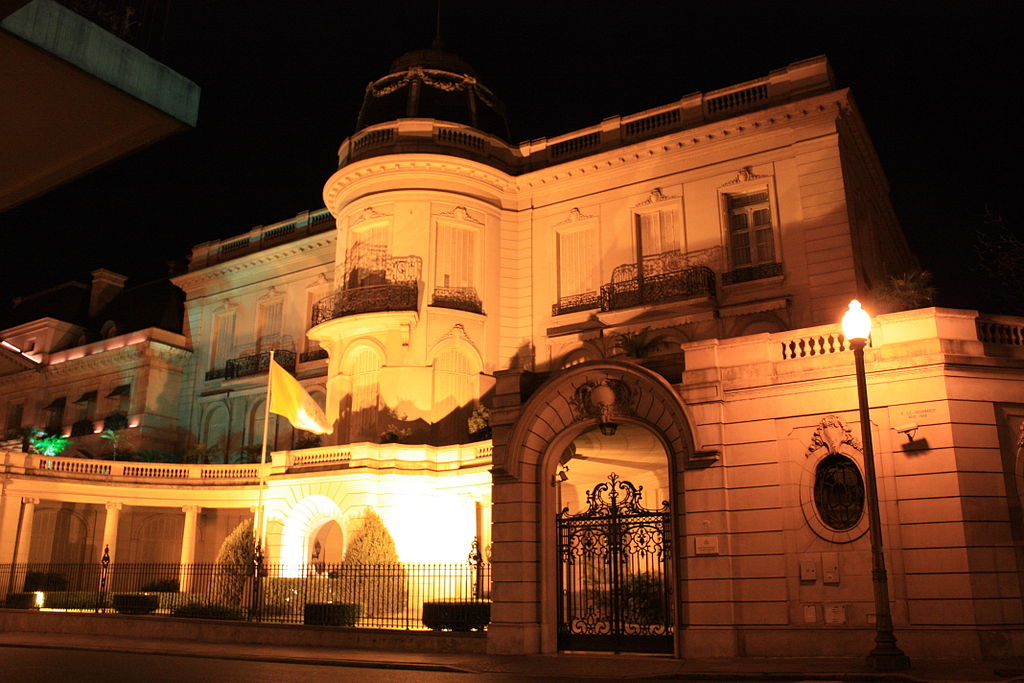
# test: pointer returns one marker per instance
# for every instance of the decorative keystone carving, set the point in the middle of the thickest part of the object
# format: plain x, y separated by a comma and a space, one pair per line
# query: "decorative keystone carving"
831, 433
584, 406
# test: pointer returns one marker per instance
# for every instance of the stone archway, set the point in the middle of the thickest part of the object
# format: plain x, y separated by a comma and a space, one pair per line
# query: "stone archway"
529, 440
299, 530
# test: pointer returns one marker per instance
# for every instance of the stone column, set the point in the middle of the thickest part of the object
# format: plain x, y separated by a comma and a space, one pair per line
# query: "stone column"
188, 546
110, 524
25, 532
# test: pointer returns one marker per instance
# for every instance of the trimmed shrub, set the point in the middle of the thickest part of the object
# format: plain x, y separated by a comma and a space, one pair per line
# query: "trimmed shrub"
45, 581
199, 610
457, 616
331, 614
20, 601
235, 564
76, 600
386, 592
135, 603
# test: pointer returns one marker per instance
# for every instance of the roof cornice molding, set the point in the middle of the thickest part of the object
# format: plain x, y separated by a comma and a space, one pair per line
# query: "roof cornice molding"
437, 164
189, 282
698, 138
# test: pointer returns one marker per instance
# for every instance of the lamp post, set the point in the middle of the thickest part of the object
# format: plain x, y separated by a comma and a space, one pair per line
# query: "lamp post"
886, 655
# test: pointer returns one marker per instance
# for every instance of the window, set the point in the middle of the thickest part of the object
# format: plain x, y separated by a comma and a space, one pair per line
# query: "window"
656, 232
55, 417
366, 260
269, 318
456, 256
453, 391
838, 492
751, 240
578, 270
15, 414
365, 364
223, 346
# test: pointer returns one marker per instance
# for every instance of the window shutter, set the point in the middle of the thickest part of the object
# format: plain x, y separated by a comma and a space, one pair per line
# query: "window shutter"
456, 254
223, 339
577, 262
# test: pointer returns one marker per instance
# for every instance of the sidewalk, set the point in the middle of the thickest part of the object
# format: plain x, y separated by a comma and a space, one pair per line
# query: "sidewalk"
626, 667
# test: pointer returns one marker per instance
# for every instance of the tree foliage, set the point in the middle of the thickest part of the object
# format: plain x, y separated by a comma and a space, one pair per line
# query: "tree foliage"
372, 543
235, 563
909, 290
1000, 255
383, 589
639, 344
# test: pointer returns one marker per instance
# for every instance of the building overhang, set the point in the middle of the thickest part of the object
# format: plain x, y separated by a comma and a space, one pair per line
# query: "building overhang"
78, 97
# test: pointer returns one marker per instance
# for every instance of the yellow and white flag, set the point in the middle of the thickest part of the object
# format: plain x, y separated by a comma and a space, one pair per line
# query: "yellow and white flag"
288, 398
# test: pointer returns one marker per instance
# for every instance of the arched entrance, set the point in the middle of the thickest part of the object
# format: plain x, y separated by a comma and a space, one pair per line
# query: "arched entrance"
314, 519
582, 408
614, 543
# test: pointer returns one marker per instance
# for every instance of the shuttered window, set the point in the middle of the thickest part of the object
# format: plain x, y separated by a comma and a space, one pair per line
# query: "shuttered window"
365, 365
657, 232
365, 263
453, 391
269, 322
456, 256
577, 262
223, 339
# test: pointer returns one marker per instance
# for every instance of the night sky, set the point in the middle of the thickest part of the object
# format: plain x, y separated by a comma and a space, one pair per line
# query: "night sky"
938, 84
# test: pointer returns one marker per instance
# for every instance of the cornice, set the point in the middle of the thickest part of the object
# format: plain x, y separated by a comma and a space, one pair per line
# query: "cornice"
698, 138
196, 279
436, 164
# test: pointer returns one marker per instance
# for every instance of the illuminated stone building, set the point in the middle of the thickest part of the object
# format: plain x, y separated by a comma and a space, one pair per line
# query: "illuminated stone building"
653, 300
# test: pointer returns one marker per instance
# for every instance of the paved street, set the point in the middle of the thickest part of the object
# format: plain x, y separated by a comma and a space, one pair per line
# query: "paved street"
55, 665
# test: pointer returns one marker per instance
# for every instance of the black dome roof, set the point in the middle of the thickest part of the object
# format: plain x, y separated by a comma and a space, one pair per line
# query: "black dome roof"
433, 83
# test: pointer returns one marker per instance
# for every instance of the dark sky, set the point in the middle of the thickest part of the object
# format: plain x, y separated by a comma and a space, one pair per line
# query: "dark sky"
937, 82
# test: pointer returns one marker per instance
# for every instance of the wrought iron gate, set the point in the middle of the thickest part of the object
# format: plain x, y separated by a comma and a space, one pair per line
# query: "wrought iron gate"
613, 581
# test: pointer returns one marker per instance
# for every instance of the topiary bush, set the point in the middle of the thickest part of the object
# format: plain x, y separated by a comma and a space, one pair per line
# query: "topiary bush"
235, 564
200, 610
383, 589
331, 614
134, 603
76, 600
457, 616
20, 601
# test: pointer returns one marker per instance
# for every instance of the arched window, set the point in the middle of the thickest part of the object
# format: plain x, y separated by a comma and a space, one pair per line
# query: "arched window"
215, 432
454, 391
254, 437
364, 364
838, 492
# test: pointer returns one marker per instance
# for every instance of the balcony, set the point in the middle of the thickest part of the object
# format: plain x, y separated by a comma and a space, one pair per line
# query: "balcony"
312, 355
374, 283
391, 296
662, 278
576, 302
459, 298
759, 272
253, 364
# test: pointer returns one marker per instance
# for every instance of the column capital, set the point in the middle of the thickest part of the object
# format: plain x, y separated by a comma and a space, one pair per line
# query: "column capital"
194, 509
114, 506
28, 500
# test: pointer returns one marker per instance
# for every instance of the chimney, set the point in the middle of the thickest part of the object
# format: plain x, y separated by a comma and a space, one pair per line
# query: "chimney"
106, 285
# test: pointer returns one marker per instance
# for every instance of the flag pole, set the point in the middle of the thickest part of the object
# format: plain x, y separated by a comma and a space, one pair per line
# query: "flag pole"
261, 514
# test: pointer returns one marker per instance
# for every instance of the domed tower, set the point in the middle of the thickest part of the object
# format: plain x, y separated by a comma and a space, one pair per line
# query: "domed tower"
420, 197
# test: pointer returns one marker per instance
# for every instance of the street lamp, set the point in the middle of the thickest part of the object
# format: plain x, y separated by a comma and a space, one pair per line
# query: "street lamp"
886, 655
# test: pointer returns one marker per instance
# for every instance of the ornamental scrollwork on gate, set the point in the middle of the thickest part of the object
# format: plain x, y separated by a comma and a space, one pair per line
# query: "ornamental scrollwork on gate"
615, 497
583, 407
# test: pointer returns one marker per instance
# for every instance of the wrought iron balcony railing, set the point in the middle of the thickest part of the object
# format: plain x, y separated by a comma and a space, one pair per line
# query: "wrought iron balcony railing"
258, 363
576, 302
661, 278
312, 354
460, 298
391, 296
750, 273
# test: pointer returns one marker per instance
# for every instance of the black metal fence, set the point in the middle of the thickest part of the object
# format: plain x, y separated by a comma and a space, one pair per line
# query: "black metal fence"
386, 596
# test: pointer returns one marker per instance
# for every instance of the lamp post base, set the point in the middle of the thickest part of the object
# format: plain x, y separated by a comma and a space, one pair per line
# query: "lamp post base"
888, 659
